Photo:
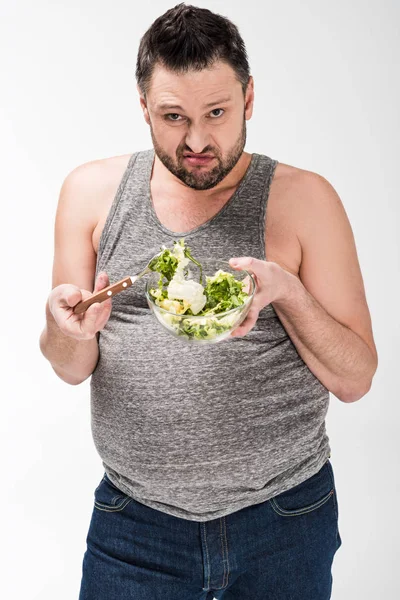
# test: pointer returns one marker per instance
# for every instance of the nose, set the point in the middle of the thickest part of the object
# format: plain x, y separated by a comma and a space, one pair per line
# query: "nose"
197, 140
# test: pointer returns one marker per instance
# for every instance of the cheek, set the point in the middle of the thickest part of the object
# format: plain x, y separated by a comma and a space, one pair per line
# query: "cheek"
169, 140
228, 132
168, 134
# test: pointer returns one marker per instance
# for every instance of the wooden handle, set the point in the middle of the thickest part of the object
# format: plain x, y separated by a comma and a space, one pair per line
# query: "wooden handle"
103, 294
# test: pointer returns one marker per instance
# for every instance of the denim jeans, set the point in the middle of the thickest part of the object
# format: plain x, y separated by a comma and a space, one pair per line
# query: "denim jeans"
280, 549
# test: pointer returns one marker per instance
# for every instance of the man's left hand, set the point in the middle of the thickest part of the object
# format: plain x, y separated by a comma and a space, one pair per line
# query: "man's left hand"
272, 282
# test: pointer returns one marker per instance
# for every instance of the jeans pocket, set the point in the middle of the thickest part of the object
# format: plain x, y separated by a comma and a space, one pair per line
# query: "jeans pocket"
108, 497
307, 496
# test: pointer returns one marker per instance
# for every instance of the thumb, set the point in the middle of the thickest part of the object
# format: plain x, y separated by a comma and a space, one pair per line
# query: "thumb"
102, 281
253, 265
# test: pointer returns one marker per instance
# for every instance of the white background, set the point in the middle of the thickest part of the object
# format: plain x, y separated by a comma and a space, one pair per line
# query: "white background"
327, 100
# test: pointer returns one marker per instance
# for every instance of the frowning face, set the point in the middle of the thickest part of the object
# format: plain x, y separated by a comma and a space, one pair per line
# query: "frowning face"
198, 122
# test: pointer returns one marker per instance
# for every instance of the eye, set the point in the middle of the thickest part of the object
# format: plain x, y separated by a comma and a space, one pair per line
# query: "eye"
172, 115
215, 110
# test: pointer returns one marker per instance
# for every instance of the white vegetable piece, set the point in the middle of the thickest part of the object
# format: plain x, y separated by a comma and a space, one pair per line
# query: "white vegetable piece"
180, 288
189, 290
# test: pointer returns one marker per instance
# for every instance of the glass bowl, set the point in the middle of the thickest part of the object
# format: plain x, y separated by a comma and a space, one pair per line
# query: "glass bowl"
203, 329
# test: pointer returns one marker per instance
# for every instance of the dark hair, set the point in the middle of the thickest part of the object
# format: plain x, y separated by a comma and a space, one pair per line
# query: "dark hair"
187, 37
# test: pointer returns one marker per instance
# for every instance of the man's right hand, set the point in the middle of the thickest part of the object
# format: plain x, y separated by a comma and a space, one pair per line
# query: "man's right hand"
83, 326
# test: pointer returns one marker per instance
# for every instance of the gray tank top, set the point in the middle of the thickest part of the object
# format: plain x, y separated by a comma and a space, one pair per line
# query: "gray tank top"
199, 431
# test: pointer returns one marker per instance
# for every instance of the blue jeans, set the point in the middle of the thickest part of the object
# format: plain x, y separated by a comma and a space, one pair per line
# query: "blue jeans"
280, 549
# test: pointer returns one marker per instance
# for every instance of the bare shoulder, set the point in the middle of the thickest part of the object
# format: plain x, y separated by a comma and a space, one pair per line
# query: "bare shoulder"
290, 180
97, 182
85, 196
282, 244
301, 184
99, 177
309, 198
113, 171
294, 194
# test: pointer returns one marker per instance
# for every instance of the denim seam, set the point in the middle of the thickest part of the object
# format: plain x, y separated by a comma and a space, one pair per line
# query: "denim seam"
207, 555
302, 511
115, 498
333, 485
120, 494
107, 508
334, 501
224, 546
226, 551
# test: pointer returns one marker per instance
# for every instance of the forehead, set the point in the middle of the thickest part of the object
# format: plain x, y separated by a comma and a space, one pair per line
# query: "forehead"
214, 83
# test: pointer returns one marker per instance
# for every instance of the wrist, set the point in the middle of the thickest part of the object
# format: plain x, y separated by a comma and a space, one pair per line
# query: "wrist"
286, 283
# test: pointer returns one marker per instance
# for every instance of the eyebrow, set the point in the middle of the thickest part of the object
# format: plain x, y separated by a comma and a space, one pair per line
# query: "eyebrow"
165, 105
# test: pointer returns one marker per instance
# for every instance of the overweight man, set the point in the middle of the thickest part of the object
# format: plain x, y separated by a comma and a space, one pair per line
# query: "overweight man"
218, 480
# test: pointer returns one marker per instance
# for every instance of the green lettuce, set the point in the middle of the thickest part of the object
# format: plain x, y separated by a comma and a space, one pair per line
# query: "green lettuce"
222, 290
223, 293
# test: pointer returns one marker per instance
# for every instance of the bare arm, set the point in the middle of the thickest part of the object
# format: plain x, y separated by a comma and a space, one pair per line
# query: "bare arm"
72, 359
324, 310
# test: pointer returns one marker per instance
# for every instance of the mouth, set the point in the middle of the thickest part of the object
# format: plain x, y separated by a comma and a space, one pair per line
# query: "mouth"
198, 159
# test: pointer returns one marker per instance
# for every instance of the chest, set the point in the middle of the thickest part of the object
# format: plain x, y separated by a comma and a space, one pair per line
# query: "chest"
185, 215
281, 243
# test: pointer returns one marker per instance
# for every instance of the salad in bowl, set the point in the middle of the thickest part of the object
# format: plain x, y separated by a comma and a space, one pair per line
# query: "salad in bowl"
198, 302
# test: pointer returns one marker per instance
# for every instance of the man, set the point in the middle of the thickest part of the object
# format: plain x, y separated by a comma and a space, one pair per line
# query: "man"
217, 477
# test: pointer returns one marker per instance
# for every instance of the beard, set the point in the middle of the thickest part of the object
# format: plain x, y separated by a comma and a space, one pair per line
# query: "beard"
198, 179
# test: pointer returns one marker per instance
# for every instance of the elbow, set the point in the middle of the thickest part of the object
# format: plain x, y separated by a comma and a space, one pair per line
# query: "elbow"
67, 377
350, 394
72, 381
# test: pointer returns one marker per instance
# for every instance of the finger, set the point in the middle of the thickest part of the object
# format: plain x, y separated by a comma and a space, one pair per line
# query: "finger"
253, 265
247, 324
246, 284
243, 329
103, 314
88, 323
257, 304
102, 281
104, 308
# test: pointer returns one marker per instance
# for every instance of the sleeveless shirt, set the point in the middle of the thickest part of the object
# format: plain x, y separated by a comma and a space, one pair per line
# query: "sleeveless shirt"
199, 431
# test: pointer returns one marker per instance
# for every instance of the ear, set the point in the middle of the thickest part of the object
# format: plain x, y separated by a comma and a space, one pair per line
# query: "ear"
249, 99
143, 104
